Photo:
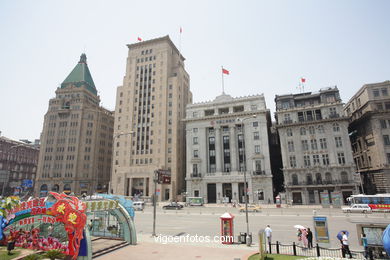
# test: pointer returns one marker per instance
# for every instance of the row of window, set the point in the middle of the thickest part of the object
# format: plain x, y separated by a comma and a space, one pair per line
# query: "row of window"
316, 160
318, 178
313, 144
320, 128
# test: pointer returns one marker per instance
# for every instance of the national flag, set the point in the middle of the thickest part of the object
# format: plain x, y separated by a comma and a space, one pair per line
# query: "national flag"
225, 71
139, 39
181, 30
303, 80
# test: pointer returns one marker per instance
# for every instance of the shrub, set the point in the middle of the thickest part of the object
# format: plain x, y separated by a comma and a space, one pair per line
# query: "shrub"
54, 254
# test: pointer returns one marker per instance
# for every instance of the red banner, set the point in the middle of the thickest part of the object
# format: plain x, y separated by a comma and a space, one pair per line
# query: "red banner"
379, 206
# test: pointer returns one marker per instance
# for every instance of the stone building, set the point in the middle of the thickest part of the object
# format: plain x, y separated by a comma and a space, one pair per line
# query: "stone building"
149, 132
18, 166
226, 139
76, 140
369, 113
316, 150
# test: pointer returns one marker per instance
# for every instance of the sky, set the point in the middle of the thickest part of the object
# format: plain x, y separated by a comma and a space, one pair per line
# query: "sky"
266, 45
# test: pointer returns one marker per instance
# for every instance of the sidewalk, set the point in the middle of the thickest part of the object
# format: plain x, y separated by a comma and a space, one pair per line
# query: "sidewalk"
147, 249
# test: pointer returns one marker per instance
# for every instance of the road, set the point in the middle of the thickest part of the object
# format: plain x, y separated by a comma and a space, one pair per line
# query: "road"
204, 221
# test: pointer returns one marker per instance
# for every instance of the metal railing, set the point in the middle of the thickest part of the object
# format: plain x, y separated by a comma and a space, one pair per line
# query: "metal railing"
258, 173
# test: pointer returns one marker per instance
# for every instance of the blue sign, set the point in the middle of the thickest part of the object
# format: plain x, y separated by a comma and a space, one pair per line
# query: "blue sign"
321, 229
27, 183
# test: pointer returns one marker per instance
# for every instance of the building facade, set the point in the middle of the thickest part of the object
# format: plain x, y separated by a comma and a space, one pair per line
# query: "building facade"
227, 142
316, 151
369, 113
149, 132
76, 140
18, 166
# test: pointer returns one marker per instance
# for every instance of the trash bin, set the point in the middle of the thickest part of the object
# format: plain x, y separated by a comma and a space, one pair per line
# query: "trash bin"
243, 237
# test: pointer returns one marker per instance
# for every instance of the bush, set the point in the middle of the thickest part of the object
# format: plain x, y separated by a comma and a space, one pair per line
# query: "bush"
54, 254
32, 257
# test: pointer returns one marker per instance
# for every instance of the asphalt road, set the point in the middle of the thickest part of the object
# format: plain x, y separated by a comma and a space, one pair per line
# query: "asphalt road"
205, 221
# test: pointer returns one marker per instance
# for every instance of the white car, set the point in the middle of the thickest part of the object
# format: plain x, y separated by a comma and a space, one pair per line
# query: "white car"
358, 208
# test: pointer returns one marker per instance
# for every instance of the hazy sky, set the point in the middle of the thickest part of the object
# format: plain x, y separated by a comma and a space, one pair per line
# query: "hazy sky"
266, 45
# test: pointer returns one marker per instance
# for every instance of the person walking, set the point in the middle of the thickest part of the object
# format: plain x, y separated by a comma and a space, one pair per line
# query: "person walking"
345, 244
365, 245
268, 234
309, 238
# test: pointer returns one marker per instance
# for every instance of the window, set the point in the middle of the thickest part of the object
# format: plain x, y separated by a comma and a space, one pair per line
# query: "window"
387, 105
318, 178
386, 139
305, 145
255, 124
316, 159
302, 131
287, 119
383, 124
321, 129
195, 140
376, 92
388, 158
325, 159
344, 177
379, 106
384, 91
195, 130
256, 136
328, 178
258, 165
341, 158
289, 132
257, 149
336, 127
195, 153
306, 160
293, 161
338, 141
313, 143
323, 143
312, 130
290, 145
309, 179
294, 178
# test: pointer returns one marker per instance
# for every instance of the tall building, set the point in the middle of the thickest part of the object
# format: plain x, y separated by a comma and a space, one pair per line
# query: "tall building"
18, 166
76, 140
316, 150
149, 132
227, 139
369, 112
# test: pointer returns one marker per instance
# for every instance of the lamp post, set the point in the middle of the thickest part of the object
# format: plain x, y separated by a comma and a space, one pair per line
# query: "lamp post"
248, 238
155, 180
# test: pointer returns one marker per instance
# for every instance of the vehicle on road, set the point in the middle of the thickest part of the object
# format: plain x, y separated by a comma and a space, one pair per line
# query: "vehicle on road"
194, 201
138, 205
173, 205
358, 208
251, 208
377, 202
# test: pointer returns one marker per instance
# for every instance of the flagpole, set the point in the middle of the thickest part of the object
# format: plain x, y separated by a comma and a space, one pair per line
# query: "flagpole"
223, 87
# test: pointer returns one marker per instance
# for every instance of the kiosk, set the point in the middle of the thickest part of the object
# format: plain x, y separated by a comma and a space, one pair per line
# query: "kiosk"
227, 231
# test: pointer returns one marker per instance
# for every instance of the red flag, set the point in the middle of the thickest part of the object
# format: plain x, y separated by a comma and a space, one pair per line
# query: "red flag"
139, 39
303, 80
181, 30
225, 71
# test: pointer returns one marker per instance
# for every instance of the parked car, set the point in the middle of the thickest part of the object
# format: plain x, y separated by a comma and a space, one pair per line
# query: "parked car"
251, 208
138, 205
173, 205
358, 208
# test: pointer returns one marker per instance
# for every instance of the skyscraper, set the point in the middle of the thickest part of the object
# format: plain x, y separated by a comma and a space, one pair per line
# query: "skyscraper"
149, 133
76, 140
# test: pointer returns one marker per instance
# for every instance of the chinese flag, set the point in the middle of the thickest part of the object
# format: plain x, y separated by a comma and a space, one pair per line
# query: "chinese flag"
181, 30
139, 39
225, 71
303, 80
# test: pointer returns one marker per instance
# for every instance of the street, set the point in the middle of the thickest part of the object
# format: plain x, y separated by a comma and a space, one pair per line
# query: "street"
204, 221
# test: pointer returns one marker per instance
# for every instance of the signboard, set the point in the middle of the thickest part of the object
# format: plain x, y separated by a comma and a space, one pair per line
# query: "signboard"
321, 230
336, 199
324, 199
27, 183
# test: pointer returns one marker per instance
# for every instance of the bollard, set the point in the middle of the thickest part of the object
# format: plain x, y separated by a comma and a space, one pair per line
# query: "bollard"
294, 249
318, 250
277, 247
270, 247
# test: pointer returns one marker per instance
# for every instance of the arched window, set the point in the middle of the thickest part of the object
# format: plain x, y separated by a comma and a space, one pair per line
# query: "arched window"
303, 131
336, 127
318, 178
55, 188
67, 189
321, 129
309, 179
43, 190
344, 177
328, 178
294, 179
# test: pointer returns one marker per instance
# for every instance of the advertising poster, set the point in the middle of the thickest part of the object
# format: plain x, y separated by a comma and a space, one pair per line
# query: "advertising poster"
321, 230
324, 199
336, 199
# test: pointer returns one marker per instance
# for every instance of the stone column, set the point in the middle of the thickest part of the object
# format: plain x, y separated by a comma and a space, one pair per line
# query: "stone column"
219, 192
130, 186
317, 197
233, 150
235, 192
144, 187
218, 149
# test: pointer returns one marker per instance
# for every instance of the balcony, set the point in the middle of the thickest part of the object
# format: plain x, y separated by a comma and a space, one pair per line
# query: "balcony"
196, 175
334, 116
287, 121
321, 183
257, 173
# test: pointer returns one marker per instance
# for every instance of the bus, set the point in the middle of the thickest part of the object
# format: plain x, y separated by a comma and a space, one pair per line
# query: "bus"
377, 202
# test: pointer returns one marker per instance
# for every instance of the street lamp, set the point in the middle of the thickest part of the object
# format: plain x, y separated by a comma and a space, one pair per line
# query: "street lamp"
248, 238
155, 180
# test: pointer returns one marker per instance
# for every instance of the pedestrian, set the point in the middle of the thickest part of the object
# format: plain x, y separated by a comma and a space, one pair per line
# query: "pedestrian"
268, 234
310, 238
304, 237
11, 242
299, 235
365, 245
345, 244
